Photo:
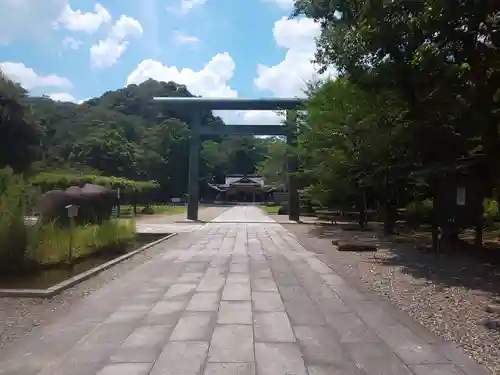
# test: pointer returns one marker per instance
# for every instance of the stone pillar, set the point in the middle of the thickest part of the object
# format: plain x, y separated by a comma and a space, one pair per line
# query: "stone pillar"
292, 166
194, 168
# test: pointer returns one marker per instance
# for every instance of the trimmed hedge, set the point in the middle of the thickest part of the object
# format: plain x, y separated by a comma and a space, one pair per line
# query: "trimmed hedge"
46, 181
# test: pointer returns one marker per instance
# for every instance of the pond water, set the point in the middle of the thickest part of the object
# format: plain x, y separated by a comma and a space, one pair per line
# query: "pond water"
46, 278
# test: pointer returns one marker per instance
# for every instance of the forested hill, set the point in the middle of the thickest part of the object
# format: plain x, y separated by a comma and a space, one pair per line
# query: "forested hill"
124, 133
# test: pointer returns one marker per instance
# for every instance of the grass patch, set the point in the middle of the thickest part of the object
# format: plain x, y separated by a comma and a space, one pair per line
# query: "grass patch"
155, 209
168, 210
273, 210
49, 243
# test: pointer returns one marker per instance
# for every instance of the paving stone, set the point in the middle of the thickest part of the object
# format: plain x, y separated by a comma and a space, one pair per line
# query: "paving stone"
408, 346
319, 345
137, 306
204, 301
301, 313
81, 360
236, 292
267, 301
189, 277
262, 273
126, 369
453, 353
147, 336
232, 343
436, 369
145, 297
293, 293
143, 345
214, 284
235, 312
333, 305
376, 359
163, 281
349, 293
318, 266
285, 278
165, 312
264, 285
110, 334
348, 369
272, 327
181, 358
350, 328
238, 267
195, 267
229, 369
193, 326
333, 279
180, 291
126, 316
238, 278
318, 291
279, 359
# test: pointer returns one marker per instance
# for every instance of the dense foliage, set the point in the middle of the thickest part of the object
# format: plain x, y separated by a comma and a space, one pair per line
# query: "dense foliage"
419, 85
48, 181
120, 137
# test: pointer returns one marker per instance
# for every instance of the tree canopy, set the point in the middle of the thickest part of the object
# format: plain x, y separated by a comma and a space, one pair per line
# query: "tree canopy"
418, 85
123, 133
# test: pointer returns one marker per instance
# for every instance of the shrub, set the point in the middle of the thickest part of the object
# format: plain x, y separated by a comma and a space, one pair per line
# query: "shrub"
50, 181
49, 243
419, 211
13, 236
490, 209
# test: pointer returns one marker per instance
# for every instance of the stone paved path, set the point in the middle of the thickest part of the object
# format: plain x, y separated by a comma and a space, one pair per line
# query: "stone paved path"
233, 299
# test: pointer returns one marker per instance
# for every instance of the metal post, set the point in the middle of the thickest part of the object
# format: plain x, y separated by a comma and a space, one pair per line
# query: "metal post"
293, 195
72, 213
71, 234
194, 166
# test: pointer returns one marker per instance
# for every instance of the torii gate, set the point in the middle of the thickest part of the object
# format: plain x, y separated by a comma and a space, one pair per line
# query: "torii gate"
197, 105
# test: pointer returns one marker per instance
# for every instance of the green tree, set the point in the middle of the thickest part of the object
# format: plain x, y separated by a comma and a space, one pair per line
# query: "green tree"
273, 167
441, 57
355, 145
19, 134
108, 152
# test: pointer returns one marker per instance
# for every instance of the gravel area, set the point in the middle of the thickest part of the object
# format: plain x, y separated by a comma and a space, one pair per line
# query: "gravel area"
18, 316
447, 293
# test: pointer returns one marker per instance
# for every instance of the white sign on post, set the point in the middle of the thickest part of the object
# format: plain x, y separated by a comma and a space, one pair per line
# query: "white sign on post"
461, 196
176, 200
72, 210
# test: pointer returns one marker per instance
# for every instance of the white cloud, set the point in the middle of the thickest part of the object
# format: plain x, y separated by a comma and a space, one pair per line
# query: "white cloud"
76, 20
181, 38
283, 4
185, 6
286, 79
211, 81
29, 79
289, 77
62, 97
108, 51
250, 117
22, 19
71, 43
126, 27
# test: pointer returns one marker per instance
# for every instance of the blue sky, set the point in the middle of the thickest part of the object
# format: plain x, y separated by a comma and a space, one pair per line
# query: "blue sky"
76, 49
